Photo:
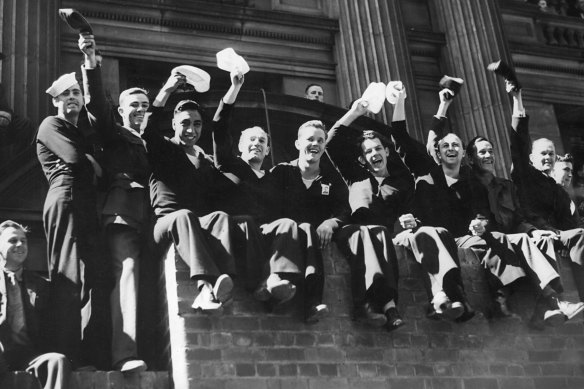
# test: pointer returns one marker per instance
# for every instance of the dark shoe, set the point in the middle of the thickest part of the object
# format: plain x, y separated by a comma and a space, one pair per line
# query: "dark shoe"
75, 20
432, 314
366, 315
316, 313
223, 288
394, 320
502, 69
554, 318
281, 290
468, 314
452, 83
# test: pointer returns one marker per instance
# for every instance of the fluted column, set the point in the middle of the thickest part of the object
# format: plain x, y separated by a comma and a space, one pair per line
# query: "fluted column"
372, 46
474, 38
29, 41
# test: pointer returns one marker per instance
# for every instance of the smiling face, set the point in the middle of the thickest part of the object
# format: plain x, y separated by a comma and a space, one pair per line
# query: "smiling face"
253, 145
310, 144
484, 159
562, 173
543, 155
132, 110
187, 126
374, 156
70, 101
450, 151
13, 247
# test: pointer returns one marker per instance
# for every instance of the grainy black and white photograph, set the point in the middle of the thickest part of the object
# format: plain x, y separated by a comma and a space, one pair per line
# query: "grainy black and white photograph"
291, 194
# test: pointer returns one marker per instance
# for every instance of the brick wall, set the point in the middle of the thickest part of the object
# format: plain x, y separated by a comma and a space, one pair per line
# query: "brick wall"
248, 347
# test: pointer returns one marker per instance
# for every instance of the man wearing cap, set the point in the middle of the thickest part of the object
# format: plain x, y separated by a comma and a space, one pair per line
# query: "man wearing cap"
182, 186
314, 92
23, 314
69, 216
126, 212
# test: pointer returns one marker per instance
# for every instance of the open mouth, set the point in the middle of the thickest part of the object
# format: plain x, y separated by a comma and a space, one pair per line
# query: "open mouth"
314, 150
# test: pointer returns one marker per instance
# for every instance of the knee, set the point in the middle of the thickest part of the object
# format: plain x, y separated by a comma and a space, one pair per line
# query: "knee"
286, 224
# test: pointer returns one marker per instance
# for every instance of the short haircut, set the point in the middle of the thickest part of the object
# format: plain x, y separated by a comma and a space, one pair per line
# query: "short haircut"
310, 86
471, 147
312, 123
540, 141
565, 158
12, 224
132, 91
371, 134
188, 105
254, 128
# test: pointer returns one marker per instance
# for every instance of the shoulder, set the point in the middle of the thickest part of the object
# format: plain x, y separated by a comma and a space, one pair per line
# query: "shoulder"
51, 122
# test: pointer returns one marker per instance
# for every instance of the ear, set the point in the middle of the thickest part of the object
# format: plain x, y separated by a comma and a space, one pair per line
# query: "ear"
267, 150
297, 144
387, 151
55, 102
240, 146
362, 160
531, 158
121, 111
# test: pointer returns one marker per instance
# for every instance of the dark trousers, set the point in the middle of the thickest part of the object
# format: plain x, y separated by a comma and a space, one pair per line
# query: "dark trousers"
70, 223
204, 243
294, 249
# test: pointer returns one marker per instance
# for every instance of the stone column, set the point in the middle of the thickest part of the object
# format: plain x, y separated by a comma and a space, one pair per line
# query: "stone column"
29, 41
475, 38
372, 46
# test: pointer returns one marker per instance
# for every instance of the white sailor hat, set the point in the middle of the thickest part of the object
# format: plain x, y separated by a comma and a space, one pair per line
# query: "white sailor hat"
198, 78
61, 84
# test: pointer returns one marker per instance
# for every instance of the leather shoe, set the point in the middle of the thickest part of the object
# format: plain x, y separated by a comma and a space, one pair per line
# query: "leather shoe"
223, 288
394, 320
366, 315
316, 313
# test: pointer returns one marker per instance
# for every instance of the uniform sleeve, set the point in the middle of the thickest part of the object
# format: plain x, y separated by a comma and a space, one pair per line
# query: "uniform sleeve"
520, 145
413, 152
156, 145
99, 110
53, 135
222, 140
342, 150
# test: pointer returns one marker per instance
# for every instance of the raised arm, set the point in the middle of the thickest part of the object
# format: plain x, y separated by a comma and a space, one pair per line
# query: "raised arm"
412, 152
222, 140
99, 110
519, 133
